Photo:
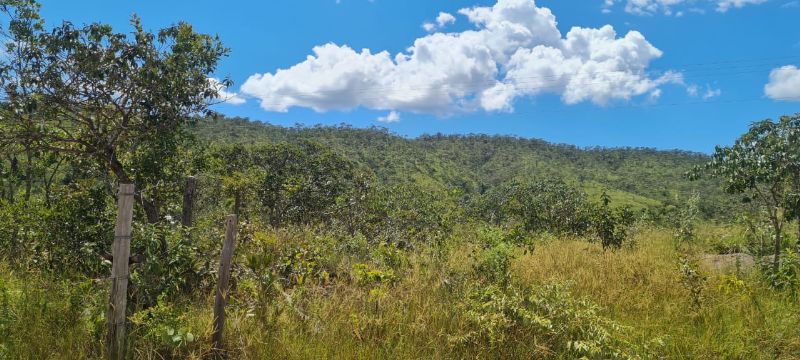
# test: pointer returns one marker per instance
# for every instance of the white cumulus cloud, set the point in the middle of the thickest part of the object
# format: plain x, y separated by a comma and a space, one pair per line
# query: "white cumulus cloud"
442, 20
514, 50
784, 84
392, 117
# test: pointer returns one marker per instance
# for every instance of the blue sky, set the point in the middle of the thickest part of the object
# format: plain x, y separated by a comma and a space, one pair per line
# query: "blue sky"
694, 77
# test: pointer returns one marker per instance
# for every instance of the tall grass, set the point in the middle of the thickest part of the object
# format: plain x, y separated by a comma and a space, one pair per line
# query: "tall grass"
426, 309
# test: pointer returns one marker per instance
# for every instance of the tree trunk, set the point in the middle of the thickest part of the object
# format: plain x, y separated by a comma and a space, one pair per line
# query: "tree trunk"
48, 185
150, 208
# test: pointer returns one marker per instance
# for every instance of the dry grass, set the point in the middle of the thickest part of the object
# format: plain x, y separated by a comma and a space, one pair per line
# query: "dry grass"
740, 316
420, 316
630, 283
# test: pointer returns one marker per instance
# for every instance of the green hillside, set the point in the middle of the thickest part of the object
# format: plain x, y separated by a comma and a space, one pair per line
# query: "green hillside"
638, 177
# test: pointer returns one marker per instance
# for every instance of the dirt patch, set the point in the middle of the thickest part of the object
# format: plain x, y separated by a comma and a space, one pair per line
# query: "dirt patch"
728, 263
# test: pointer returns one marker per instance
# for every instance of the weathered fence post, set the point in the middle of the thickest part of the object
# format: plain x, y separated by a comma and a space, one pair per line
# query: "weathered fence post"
119, 273
190, 186
224, 277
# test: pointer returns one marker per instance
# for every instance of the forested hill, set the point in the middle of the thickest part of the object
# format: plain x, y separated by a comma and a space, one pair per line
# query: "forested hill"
639, 177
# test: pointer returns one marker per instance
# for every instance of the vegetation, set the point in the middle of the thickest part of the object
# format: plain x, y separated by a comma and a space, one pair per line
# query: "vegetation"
764, 164
639, 178
356, 243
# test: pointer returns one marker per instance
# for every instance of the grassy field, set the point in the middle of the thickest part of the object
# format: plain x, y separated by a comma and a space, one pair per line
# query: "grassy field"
473, 297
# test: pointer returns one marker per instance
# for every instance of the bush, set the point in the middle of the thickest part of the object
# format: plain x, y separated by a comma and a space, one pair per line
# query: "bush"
365, 275
406, 215
75, 233
787, 276
684, 222
165, 330
550, 316
694, 282
493, 262
611, 225
540, 206
178, 269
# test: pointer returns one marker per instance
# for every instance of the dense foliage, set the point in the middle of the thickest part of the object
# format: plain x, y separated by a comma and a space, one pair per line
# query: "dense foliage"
356, 243
764, 165
640, 178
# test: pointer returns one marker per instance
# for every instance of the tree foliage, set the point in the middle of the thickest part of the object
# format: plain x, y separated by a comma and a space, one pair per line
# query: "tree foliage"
120, 101
764, 165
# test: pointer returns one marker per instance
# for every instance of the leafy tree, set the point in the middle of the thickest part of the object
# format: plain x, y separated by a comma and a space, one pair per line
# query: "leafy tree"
233, 165
290, 183
120, 101
762, 164
611, 225
547, 205
302, 182
17, 74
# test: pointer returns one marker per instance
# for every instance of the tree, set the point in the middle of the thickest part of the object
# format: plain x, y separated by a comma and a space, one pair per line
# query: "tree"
234, 168
17, 74
302, 183
611, 225
763, 164
537, 206
105, 97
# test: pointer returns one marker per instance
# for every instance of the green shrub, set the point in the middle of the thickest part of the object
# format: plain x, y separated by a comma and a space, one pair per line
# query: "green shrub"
493, 263
611, 225
74, 233
538, 206
176, 269
550, 316
787, 276
693, 281
164, 329
366, 275
684, 223
390, 255
306, 259
493, 256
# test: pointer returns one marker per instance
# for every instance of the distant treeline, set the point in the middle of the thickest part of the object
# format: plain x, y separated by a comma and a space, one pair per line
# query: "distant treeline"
642, 178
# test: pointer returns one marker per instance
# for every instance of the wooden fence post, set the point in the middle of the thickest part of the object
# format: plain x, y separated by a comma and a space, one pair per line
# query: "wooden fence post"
119, 273
190, 186
224, 277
